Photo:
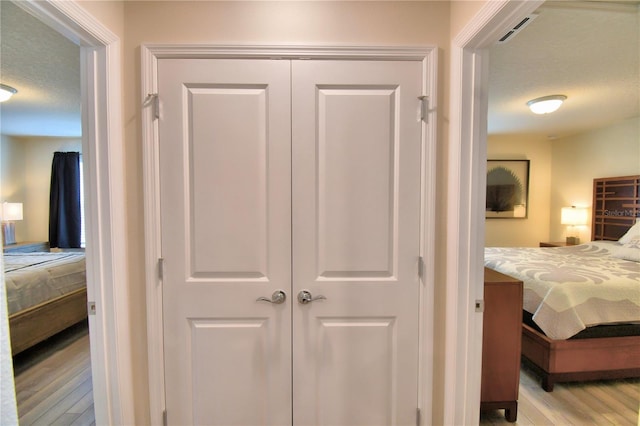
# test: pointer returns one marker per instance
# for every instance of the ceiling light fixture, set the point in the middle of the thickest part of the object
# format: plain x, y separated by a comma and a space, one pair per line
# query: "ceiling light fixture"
6, 92
546, 104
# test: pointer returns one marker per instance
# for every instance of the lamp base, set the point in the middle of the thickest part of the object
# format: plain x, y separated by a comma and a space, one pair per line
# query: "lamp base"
573, 241
8, 233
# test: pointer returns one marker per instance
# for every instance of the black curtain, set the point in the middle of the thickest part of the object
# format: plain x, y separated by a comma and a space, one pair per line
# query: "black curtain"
64, 201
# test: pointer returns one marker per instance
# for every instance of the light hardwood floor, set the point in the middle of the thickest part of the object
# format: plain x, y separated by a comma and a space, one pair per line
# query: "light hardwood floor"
611, 402
53, 381
53, 384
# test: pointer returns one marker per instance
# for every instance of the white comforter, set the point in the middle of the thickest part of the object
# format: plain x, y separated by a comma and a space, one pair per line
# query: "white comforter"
570, 288
33, 278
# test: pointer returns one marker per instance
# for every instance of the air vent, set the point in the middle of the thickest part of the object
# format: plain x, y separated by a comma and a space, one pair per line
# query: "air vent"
516, 29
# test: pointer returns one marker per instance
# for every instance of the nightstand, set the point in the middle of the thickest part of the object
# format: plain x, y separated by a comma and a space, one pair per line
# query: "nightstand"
501, 343
27, 247
555, 244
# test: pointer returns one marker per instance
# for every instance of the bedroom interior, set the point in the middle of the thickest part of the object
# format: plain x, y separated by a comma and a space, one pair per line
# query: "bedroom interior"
546, 176
566, 167
45, 272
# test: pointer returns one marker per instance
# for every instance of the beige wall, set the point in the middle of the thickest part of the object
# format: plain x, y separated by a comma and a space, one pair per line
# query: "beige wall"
26, 178
462, 12
12, 177
577, 160
562, 173
110, 13
38, 157
535, 228
327, 23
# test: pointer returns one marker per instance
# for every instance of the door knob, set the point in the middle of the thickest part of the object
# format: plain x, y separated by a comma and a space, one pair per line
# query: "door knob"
277, 298
305, 297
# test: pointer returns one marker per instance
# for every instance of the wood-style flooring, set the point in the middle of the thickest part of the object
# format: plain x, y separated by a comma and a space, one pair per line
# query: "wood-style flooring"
53, 380
610, 402
53, 384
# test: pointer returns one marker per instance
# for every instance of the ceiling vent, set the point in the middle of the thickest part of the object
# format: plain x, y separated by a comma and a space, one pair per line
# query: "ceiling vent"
519, 27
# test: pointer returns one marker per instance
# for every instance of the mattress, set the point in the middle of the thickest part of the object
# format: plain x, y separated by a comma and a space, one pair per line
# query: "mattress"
567, 289
34, 278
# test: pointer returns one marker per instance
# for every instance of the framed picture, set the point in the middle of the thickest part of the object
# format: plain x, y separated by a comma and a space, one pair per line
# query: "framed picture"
507, 189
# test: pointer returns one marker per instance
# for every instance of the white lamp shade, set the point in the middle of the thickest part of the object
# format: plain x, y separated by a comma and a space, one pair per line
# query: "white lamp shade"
574, 216
11, 211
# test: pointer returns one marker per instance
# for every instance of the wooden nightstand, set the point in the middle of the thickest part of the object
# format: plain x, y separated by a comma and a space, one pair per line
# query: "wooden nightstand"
27, 247
555, 244
501, 343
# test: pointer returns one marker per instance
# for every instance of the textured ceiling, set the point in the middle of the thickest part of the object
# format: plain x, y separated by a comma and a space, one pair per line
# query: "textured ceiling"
45, 68
589, 52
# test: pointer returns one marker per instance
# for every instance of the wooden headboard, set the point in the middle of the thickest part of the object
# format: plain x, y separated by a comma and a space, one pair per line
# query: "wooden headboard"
616, 206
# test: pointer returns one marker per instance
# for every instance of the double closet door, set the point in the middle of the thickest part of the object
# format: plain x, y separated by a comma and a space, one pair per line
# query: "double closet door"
290, 206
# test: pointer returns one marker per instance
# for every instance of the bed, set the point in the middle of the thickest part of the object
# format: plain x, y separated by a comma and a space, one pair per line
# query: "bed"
46, 293
581, 318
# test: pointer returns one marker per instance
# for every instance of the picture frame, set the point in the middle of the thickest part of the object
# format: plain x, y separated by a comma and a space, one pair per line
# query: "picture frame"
507, 189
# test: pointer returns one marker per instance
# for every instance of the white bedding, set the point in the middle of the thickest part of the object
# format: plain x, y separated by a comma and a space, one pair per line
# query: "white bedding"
33, 278
568, 289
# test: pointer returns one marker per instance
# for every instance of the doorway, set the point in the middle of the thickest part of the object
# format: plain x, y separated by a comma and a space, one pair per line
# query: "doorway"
106, 264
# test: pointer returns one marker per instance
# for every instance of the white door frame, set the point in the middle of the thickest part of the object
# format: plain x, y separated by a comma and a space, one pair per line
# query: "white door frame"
150, 56
104, 203
465, 204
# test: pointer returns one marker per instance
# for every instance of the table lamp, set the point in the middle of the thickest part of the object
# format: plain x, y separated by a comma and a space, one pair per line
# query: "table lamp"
573, 216
10, 213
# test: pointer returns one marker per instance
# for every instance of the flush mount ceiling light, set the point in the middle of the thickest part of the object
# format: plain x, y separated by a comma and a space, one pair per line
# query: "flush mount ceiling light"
6, 92
546, 104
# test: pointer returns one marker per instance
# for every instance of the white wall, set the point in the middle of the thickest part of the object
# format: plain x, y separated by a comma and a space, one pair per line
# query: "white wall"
535, 228
577, 160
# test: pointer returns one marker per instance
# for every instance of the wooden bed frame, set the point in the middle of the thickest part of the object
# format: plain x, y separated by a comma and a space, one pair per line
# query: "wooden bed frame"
616, 205
35, 324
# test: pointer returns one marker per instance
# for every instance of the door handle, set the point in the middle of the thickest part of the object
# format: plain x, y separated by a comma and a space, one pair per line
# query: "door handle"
305, 297
277, 298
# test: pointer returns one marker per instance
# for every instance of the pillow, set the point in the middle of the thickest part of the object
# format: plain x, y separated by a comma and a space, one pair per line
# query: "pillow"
633, 232
629, 251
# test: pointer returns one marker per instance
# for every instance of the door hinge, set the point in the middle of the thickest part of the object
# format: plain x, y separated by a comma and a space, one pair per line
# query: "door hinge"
160, 268
424, 108
479, 305
418, 417
91, 308
420, 267
164, 418
153, 100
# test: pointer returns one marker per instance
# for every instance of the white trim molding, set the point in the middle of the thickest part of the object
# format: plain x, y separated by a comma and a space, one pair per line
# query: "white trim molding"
465, 208
153, 244
104, 204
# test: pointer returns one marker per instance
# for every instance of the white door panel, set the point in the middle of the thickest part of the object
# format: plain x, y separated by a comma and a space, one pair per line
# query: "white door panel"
226, 228
356, 206
355, 182
229, 231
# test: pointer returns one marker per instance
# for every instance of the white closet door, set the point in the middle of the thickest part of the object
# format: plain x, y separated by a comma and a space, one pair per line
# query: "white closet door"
356, 205
230, 131
225, 155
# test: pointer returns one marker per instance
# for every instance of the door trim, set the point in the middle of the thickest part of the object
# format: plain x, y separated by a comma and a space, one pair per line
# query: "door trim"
151, 183
460, 401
